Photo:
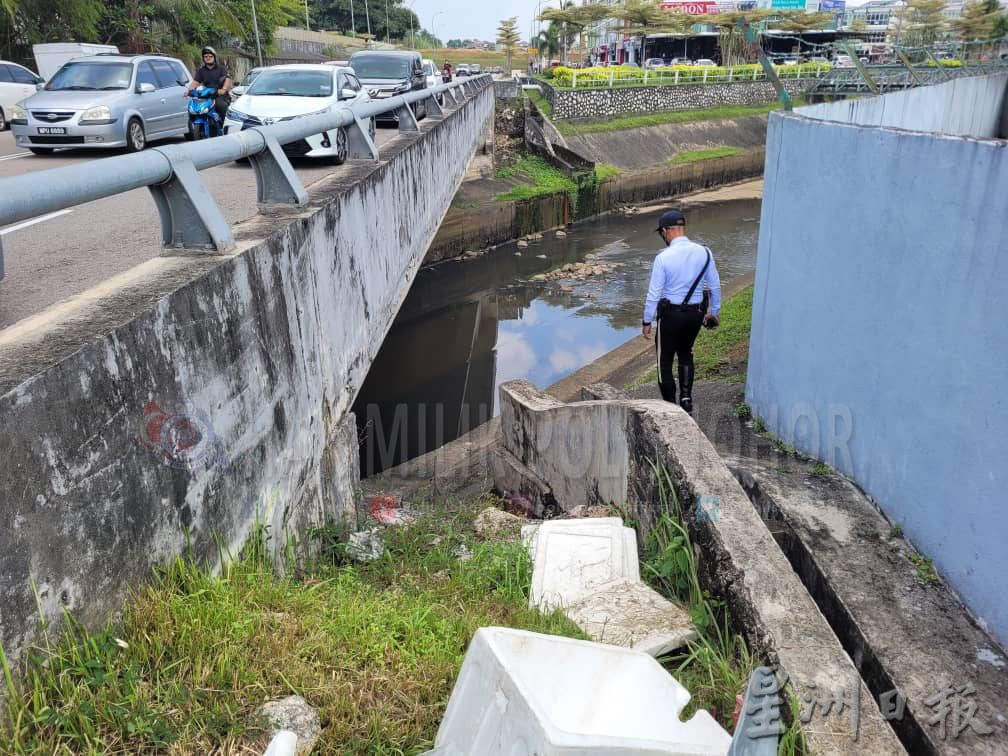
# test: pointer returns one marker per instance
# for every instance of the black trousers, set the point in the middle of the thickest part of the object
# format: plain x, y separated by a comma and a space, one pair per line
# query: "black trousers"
676, 332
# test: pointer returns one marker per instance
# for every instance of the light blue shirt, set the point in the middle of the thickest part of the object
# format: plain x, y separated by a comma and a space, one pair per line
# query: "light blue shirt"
675, 269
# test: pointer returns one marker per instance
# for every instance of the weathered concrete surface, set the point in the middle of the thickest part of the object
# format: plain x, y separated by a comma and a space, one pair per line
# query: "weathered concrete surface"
640, 148
293, 714
901, 633
474, 228
261, 352
628, 613
575, 449
970, 106
854, 217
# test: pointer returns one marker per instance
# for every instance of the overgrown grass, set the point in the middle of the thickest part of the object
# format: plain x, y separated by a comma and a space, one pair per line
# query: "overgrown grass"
924, 567
718, 352
694, 156
376, 648
604, 171
540, 102
545, 179
660, 119
717, 666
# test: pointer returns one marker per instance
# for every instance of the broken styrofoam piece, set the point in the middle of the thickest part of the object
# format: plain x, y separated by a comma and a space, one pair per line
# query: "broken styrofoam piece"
520, 692
573, 557
628, 613
759, 726
284, 743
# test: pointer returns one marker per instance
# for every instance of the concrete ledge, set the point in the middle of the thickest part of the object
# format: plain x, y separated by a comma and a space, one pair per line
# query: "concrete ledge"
600, 452
901, 633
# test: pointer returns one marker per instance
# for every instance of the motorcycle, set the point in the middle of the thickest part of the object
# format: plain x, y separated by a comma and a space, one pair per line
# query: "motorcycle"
204, 121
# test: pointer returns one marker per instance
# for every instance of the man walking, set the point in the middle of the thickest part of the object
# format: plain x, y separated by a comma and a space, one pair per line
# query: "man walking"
676, 299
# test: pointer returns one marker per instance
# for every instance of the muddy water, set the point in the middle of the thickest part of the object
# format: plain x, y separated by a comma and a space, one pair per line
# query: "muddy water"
468, 326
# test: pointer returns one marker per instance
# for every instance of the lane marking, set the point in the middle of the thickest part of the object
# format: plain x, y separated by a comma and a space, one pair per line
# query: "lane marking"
33, 221
14, 156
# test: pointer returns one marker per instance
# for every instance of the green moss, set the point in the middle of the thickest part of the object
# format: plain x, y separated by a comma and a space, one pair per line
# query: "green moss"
708, 154
660, 119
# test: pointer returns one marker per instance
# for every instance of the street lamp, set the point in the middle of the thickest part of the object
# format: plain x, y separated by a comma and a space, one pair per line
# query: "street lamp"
433, 27
255, 25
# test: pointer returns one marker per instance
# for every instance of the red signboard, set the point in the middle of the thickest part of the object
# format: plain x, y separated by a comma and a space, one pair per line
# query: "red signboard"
691, 7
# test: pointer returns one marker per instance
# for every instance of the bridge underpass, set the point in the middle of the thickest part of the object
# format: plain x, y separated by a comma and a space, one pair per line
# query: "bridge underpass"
195, 395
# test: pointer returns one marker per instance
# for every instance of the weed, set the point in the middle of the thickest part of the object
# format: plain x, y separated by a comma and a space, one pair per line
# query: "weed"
544, 177
924, 568
785, 448
896, 531
694, 156
759, 426
540, 102
821, 469
604, 171
743, 411
783, 469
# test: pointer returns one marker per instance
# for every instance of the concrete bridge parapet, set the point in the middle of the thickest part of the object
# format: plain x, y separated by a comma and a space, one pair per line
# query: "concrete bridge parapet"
193, 398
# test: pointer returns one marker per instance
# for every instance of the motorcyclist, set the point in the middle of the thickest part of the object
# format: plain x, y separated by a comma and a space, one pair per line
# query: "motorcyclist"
214, 75
446, 72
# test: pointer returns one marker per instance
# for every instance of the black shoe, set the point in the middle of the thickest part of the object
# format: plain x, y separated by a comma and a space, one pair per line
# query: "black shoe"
668, 391
686, 388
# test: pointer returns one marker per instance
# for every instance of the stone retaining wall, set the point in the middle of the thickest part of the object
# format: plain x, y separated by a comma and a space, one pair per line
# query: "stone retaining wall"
597, 103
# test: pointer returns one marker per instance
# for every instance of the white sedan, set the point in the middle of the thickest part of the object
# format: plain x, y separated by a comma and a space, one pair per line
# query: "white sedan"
282, 93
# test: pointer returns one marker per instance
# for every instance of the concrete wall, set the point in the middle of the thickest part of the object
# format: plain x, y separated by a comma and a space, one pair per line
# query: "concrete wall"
262, 352
598, 103
498, 222
878, 341
970, 106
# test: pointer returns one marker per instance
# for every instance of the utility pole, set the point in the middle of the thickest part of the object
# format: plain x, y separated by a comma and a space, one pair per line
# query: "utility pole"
255, 25
353, 25
306, 24
367, 15
388, 33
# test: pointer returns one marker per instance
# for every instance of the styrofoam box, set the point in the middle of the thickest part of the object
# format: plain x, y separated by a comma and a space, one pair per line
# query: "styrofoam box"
573, 557
520, 693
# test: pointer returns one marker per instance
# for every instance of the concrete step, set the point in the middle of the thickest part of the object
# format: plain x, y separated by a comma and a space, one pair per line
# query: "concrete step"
900, 632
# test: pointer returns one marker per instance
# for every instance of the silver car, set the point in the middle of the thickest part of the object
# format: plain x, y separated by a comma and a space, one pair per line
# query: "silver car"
105, 101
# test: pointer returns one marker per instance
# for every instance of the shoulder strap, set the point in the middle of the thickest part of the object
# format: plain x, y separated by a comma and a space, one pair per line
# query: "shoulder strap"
698, 278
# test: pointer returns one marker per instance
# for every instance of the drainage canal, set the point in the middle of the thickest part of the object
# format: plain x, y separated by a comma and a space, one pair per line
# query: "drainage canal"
468, 326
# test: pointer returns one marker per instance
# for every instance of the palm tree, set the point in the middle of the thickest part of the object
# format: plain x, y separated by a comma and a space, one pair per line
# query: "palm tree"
548, 42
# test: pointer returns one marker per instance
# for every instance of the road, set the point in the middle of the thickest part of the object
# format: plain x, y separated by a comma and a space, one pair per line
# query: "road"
50, 258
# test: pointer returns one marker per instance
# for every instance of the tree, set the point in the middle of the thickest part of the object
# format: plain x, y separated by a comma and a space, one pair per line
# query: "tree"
509, 38
977, 22
1001, 22
731, 42
920, 23
548, 42
573, 19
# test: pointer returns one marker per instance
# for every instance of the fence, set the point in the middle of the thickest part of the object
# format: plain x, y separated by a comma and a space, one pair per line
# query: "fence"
601, 78
190, 218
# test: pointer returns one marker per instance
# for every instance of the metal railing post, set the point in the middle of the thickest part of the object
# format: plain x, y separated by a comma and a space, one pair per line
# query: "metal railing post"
360, 145
433, 106
276, 182
407, 119
190, 218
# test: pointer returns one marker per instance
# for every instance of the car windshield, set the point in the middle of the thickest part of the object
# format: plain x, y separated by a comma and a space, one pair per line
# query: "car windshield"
380, 67
292, 84
428, 69
91, 77
252, 76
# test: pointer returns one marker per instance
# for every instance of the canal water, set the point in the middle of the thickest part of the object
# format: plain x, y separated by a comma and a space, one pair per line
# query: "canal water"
468, 326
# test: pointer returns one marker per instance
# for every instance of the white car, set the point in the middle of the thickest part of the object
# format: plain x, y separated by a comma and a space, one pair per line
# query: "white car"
282, 93
239, 89
16, 84
432, 73
705, 62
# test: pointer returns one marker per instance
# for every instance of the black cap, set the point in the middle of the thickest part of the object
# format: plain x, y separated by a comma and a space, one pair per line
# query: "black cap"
671, 218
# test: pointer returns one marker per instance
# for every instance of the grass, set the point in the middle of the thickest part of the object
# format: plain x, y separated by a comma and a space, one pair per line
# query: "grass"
743, 411
759, 426
545, 179
924, 568
604, 171
896, 531
540, 102
821, 469
718, 352
661, 119
785, 448
376, 648
717, 666
694, 156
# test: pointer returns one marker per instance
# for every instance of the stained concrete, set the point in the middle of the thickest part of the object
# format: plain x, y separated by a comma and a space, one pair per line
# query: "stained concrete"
262, 351
575, 449
646, 147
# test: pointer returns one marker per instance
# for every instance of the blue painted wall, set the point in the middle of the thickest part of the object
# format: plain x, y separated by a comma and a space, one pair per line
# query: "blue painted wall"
879, 340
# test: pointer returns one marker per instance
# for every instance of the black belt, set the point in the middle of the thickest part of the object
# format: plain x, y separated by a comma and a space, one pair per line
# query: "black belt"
665, 306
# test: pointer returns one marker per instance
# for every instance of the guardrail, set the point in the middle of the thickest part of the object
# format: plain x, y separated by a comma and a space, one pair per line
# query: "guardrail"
629, 77
190, 218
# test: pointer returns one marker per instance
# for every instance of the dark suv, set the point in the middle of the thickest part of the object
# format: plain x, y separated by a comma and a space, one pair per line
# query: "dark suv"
388, 73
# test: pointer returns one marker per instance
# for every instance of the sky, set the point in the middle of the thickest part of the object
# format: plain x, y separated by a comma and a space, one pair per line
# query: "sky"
474, 19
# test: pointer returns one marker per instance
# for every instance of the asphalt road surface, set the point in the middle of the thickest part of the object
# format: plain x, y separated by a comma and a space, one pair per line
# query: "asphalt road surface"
50, 258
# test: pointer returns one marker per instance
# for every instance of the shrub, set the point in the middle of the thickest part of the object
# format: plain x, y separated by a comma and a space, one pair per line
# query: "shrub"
588, 78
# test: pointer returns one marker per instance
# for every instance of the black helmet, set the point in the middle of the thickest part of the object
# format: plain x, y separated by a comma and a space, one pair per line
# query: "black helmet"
209, 50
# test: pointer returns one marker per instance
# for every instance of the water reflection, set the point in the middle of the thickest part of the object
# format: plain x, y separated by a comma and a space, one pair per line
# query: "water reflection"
467, 327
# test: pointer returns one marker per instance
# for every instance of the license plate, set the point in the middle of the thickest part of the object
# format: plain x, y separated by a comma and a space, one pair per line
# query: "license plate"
51, 130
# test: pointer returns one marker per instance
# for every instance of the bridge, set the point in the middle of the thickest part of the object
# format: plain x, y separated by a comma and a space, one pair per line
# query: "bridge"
193, 396
869, 80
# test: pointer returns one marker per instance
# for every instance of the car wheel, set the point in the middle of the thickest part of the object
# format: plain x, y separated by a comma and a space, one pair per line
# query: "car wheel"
3, 120
42, 150
136, 140
341, 149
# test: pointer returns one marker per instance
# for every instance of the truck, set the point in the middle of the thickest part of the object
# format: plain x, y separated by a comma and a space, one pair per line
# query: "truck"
50, 57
